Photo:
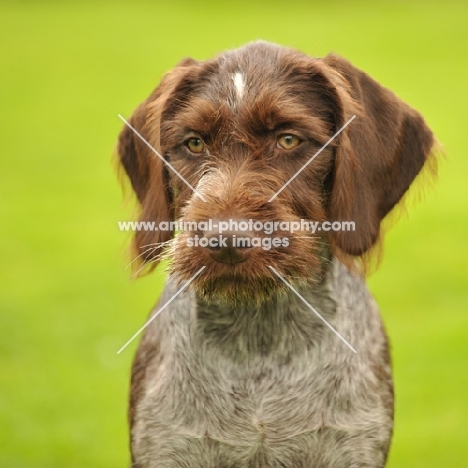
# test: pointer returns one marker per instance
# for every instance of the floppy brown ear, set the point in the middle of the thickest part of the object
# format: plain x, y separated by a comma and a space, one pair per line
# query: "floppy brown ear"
378, 156
145, 169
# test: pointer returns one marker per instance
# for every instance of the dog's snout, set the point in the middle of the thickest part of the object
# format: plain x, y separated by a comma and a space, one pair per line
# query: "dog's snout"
228, 246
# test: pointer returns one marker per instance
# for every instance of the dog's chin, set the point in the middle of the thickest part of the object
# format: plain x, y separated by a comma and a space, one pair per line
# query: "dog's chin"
239, 291
243, 291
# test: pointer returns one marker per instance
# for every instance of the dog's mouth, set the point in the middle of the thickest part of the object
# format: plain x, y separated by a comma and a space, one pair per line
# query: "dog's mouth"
242, 267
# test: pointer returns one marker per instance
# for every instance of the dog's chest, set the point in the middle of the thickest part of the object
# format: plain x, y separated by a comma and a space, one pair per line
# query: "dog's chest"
269, 415
262, 417
278, 395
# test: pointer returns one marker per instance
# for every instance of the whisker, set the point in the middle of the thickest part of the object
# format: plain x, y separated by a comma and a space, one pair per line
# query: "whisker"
143, 253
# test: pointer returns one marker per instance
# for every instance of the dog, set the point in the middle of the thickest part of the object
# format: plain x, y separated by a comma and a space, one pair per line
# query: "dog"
266, 354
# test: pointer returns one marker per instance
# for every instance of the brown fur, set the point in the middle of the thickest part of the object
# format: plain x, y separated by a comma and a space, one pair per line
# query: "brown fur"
359, 177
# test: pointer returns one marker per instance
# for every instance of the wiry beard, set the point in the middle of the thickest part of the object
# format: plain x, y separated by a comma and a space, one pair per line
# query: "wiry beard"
239, 291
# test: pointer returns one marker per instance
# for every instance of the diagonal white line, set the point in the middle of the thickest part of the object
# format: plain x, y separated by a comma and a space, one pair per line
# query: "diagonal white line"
160, 157
311, 159
311, 308
161, 309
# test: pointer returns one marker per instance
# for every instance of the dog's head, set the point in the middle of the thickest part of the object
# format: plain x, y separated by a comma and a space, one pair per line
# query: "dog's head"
237, 139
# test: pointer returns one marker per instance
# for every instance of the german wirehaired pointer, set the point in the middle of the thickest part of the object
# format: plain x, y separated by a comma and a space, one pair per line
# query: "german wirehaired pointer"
245, 368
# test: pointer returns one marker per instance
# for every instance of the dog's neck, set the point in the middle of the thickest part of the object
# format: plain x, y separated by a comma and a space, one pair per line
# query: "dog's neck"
281, 325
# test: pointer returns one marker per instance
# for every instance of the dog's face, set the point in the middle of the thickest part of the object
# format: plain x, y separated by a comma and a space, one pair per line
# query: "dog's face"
235, 130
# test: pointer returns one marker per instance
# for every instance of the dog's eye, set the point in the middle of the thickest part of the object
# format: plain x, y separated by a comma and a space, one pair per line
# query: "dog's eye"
287, 141
195, 145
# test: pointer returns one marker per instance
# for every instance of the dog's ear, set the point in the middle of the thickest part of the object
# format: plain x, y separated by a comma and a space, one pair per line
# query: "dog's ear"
378, 155
146, 170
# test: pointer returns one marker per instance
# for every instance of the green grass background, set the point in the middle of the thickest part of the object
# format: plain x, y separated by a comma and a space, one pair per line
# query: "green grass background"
67, 303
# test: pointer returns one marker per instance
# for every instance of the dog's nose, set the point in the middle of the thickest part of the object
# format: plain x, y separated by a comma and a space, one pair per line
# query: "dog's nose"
229, 247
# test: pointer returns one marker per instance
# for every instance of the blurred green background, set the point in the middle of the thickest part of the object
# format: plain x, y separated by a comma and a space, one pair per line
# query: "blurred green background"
67, 301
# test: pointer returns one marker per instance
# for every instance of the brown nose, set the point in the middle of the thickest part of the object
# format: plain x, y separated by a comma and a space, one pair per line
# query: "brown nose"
230, 246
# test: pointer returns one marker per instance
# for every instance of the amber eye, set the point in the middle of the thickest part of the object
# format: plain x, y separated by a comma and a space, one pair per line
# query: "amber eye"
195, 145
287, 141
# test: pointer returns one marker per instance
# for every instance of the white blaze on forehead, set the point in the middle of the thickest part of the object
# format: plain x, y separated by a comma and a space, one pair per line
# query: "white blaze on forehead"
239, 84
